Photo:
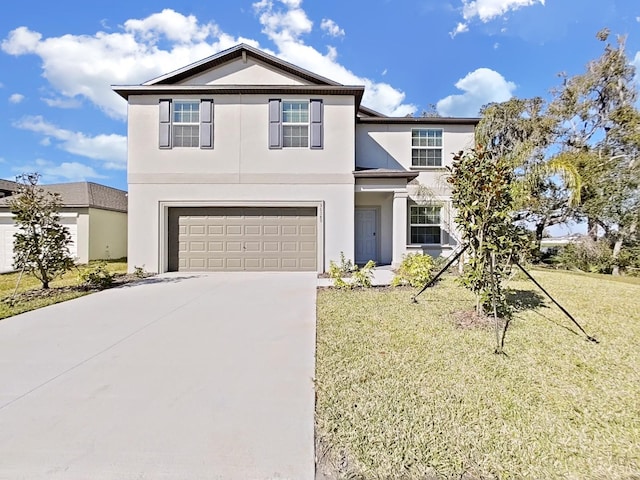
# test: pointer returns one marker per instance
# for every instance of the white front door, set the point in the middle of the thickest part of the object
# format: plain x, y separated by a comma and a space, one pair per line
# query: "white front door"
366, 235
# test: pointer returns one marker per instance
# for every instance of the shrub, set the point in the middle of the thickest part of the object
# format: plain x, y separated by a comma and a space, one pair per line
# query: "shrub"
139, 272
96, 276
415, 270
587, 255
362, 276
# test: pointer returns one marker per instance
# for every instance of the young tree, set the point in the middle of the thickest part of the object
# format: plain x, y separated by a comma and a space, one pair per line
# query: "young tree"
41, 247
481, 194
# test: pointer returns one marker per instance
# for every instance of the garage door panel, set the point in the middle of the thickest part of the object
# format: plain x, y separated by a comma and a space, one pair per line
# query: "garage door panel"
246, 238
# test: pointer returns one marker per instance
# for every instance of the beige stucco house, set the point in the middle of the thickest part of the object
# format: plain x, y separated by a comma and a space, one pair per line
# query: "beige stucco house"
245, 162
96, 216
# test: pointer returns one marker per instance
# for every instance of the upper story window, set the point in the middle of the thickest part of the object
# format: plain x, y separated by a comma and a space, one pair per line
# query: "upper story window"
296, 124
426, 147
186, 123
424, 223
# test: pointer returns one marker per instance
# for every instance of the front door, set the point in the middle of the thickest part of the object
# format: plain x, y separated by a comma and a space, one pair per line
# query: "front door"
366, 235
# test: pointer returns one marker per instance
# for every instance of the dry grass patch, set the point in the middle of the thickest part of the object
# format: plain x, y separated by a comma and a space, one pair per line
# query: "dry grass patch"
403, 392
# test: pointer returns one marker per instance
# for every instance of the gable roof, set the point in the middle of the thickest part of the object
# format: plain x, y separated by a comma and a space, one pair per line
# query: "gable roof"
85, 195
239, 51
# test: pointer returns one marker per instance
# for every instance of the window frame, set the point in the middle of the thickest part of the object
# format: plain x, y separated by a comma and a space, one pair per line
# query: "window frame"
286, 124
174, 123
438, 212
427, 148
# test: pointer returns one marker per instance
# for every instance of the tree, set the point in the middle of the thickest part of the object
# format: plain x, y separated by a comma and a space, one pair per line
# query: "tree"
482, 196
41, 247
601, 137
545, 187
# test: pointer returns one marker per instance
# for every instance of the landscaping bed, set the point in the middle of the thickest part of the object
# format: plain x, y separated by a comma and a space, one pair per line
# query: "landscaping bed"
414, 391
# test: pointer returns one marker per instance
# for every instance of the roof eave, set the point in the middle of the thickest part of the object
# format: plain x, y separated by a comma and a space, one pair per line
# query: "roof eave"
421, 120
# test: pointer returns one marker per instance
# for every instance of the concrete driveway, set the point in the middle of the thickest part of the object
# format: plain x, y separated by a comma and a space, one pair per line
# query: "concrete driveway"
181, 377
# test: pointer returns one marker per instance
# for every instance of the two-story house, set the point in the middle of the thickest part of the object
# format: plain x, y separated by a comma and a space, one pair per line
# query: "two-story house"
245, 162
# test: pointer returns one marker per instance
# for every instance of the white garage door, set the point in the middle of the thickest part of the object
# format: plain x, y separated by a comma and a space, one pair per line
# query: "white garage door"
8, 228
243, 238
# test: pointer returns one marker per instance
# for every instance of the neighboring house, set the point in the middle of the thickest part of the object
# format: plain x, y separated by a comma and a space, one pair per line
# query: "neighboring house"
245, 162
96, 216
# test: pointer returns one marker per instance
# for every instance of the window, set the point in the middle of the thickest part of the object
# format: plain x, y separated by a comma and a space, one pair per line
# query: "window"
296, 124
425, 224
426, 147
186, 123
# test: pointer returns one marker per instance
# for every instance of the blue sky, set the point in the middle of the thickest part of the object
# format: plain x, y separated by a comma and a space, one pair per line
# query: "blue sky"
58, 60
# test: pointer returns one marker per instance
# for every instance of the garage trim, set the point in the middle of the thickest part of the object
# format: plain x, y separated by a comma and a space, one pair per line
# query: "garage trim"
163, 222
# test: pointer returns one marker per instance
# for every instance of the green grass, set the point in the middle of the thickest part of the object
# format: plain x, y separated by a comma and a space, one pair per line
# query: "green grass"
402, 392
57, 292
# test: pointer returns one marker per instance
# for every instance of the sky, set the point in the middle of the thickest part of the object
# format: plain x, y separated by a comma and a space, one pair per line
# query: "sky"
58, 60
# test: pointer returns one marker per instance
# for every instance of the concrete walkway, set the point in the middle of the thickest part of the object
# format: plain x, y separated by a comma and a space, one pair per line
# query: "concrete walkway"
182, 377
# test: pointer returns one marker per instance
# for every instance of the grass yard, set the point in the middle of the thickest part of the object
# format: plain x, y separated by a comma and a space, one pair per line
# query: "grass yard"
403, 392
60, 289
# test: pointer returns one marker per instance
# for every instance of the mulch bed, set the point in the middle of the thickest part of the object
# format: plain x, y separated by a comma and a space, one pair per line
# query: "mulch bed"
467, 319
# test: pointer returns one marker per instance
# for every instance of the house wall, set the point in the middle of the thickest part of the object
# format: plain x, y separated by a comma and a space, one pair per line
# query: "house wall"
147, 214
237, 72
389, 146
240, 169
107, 234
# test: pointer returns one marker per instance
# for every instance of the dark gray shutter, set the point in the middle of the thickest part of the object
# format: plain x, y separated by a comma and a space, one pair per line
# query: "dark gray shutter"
206, 123
165, 123
316, 134
275, 124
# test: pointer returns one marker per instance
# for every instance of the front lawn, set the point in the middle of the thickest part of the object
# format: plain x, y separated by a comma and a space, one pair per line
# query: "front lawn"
30, 296
405, 391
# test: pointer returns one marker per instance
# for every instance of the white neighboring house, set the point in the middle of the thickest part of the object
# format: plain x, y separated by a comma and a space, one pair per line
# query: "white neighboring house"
242, 161
96, 216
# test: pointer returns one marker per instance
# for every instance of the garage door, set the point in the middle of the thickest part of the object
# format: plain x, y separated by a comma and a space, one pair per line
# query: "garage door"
242, 238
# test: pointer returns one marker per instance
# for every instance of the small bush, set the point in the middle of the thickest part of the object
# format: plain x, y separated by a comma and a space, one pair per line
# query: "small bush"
587, 255
96, 276
415, 270
362, 276
139, 272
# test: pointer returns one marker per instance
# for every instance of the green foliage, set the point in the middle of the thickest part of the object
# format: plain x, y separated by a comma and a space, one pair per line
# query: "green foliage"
96, 276
41, 246
415, 270
139, 272
360, 277
481, 194
596, 257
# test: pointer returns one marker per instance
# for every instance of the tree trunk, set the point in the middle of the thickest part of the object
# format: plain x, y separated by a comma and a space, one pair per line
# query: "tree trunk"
592, 228
617, 247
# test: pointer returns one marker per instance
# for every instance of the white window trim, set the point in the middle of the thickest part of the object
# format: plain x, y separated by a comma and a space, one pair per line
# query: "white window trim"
184, 124
427, 167
296, 124
439, 225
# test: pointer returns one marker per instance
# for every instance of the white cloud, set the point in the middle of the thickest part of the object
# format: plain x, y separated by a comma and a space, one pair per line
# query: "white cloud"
460, 28
84, 66
285, 28
63, 172
636, 63
62, 102
111, 149
16, 98
331, 28
487, 10
480, 87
